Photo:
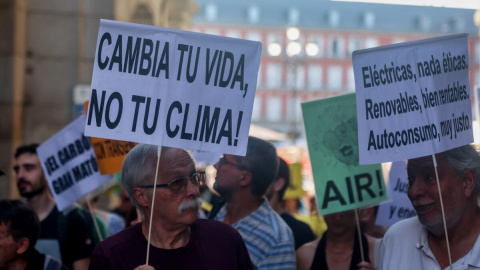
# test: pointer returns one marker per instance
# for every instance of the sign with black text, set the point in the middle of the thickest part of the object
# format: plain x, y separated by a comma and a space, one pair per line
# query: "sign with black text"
171, 87
70, 165
400, 206
413, 98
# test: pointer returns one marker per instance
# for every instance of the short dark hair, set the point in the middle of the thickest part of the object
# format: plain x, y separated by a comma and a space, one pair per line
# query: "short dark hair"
27, 148
261, 161
283, 172
21, 221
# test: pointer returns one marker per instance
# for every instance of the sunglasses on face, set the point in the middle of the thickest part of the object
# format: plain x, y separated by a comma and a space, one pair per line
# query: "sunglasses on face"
179, 185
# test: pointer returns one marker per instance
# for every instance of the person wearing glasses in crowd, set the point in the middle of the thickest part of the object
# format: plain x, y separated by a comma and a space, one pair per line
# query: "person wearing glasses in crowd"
178, 240
242, 182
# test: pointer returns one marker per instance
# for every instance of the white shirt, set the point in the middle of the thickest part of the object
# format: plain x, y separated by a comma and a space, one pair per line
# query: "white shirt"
405, 246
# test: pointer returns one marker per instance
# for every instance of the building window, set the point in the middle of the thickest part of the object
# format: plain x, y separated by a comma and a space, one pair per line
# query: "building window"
294, 109
255, 36
296, 78
336, 47
274, 75
354, 44
333, 18
459, 24
315, 75
351, 80
211, 12
274, 109
371, 43
253, 14
257, 109
369, 20
293, 16
423, 23
334, 77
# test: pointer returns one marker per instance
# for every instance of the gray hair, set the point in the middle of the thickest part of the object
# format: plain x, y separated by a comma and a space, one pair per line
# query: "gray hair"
138, 169
466, 157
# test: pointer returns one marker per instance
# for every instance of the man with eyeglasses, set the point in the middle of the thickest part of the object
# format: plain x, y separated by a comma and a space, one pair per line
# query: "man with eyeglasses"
420, 242
179, 240
242, 182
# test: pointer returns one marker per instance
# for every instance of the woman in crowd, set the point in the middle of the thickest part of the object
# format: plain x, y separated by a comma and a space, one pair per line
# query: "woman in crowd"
339, 248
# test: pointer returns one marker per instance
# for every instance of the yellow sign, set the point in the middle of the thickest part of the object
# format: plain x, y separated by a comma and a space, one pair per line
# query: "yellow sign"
295, 189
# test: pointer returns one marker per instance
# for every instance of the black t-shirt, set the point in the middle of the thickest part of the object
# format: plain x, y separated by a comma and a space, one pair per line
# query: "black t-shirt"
70, 235
301, 231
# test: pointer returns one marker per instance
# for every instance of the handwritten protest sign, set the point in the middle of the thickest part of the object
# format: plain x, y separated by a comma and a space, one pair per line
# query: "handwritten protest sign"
70, 165
340, 183
400, 206
171, 87
413, 98
110, 153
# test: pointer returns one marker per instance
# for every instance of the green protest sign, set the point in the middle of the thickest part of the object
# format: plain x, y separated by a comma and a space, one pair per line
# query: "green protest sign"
341, 184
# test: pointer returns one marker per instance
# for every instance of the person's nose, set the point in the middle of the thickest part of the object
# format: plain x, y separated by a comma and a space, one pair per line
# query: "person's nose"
20, 174
192, 190
416, 188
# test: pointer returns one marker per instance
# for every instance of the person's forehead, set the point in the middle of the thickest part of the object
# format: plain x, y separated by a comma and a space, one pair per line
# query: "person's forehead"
178, 162
27, 158
427, 162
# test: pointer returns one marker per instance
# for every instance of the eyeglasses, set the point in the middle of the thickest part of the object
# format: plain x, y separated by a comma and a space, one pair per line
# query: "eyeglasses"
224, 161
179, 185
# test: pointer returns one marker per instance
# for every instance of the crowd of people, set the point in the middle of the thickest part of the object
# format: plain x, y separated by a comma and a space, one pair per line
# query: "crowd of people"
249, 226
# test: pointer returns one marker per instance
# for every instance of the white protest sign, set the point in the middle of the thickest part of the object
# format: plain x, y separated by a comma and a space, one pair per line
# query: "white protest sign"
413, 98
400, 207
171, 87
69, 164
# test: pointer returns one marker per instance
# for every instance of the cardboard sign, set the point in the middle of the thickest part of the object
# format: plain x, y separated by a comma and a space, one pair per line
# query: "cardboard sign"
69, 164
413, 98
110, 154
171, 87
340, 183
400, 207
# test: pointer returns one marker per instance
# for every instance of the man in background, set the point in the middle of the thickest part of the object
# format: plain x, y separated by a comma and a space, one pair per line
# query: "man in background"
66, 237
301, 230
242, 182
19, 227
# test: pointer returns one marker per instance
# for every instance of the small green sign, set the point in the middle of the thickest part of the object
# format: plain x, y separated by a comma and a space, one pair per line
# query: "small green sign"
341, 184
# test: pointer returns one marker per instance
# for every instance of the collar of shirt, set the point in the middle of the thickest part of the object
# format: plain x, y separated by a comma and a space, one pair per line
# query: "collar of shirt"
470, 259
252, 221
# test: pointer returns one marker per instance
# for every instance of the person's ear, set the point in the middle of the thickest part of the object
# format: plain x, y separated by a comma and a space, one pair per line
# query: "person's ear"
141, 196
22, 245
279, 184
246, 178
469, 182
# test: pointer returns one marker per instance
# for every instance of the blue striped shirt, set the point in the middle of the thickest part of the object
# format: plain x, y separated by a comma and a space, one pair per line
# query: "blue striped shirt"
268, 238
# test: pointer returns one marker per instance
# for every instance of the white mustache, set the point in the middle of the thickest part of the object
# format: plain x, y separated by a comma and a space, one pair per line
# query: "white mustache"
193, 204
